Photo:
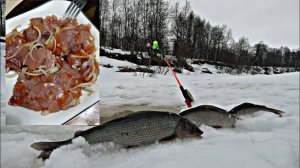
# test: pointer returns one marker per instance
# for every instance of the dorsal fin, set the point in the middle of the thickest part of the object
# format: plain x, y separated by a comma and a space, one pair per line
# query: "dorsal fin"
202, 108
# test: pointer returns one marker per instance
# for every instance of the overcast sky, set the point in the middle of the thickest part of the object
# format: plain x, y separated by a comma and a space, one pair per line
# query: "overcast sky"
276, 22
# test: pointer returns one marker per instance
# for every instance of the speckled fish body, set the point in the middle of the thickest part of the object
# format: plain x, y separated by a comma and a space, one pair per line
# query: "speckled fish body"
210, 115
249, 108
133, 130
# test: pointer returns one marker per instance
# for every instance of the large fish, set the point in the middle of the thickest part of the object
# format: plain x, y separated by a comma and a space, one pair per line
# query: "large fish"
136, 129
249, 108
210, 115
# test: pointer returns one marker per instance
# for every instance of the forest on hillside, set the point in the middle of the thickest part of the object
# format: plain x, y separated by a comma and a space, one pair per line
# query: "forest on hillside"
131, 24
2, 18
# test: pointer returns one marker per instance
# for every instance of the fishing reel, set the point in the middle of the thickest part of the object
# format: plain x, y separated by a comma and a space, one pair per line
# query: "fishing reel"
187, 94
190, 96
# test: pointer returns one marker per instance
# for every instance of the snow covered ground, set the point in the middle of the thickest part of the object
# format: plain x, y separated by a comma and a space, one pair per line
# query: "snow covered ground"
262, 141
223, 90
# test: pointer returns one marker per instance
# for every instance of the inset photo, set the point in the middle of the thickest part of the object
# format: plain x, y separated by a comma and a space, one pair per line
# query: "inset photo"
182, 57
52, 63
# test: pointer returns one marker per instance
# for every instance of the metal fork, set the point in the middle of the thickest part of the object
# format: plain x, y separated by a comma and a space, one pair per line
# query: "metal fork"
74, 8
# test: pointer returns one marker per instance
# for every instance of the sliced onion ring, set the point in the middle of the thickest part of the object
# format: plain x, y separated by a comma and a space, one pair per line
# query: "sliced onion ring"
34, 46
39, 37
50, 37
79, 56
81, 85
24, 70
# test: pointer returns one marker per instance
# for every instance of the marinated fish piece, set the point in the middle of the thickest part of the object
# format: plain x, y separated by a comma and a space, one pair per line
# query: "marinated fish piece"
56, 60
47, 93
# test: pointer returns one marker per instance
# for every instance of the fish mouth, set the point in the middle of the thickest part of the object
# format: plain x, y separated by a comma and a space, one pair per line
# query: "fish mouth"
198, 134
194, 135
187, 129
196, 131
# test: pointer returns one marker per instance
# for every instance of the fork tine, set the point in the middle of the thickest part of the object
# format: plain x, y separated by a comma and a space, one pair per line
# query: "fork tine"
70, 7
74, 8
79, 9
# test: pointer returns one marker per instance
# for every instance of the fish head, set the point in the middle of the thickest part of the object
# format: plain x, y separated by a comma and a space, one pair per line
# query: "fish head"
187, 129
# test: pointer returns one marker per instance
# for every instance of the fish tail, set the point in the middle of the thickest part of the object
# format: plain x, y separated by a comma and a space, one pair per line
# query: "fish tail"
278, 112
45, 154
49, 145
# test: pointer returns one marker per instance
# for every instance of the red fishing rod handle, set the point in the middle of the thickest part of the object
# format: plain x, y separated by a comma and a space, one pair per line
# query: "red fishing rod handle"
188, 103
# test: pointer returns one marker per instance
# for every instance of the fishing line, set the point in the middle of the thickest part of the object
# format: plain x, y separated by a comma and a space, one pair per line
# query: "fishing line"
185, 92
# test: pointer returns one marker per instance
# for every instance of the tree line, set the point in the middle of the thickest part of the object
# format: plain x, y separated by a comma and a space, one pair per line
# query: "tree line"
2, 18
131, 24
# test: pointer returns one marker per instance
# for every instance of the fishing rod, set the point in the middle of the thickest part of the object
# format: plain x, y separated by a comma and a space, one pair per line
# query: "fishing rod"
185, 92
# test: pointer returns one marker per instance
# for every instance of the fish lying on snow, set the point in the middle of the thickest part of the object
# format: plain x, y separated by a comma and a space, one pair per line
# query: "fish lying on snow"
210, 115
219, 118
249, 108
136, 129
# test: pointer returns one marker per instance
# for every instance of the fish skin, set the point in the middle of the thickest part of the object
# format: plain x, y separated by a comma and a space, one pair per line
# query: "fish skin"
136, 129
249, 108
211, 116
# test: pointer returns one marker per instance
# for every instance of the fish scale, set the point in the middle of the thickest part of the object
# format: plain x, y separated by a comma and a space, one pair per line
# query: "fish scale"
210, 115
216, 117
132, 132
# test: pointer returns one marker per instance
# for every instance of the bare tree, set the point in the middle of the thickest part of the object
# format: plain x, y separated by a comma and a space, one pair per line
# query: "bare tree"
103, 15
131, 24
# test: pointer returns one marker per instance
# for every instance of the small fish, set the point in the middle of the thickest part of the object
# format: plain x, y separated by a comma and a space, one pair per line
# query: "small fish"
249, 108
210, 115
136, 129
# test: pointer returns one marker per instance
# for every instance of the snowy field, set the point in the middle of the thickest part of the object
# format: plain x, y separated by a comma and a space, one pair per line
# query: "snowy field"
262, 141
226, 91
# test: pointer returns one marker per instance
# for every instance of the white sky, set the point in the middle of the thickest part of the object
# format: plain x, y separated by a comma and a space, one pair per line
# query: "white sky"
276, 22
